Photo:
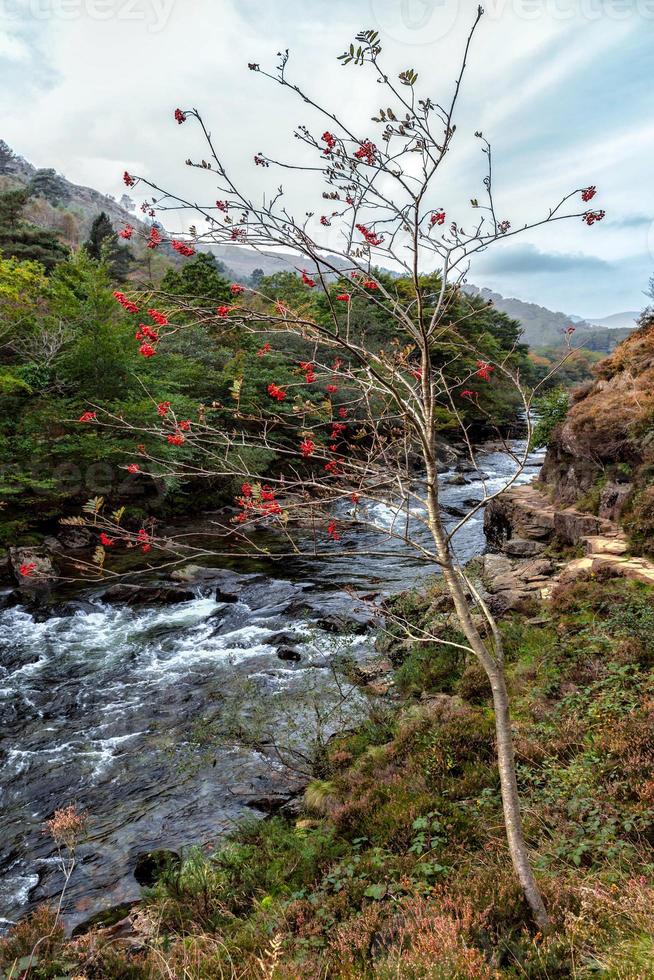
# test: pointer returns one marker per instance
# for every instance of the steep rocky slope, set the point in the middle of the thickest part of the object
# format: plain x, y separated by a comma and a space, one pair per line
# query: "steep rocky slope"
602, 457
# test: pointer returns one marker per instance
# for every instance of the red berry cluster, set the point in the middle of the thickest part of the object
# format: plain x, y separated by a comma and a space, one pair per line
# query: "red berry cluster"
276, 392
124, 302
371, 237
183, 248
367, 151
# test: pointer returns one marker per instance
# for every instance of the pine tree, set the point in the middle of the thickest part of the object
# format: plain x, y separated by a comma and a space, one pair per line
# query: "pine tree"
103, 246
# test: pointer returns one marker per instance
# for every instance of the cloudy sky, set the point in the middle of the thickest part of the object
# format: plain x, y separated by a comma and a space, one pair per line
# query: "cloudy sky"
562, 88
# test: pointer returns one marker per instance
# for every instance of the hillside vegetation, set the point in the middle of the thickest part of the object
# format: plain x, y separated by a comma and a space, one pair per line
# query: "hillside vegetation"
601, 457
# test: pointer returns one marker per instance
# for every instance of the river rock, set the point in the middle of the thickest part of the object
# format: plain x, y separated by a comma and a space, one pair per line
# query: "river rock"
452, 511
43, 572
155, 594
334, 613
75, 607
289, 653
72, 538
457, 480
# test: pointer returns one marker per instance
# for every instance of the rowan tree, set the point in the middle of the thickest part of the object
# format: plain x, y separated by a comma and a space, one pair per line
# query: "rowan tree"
357, 420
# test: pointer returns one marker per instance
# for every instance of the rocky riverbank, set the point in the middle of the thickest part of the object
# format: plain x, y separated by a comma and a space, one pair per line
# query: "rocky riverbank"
538, 545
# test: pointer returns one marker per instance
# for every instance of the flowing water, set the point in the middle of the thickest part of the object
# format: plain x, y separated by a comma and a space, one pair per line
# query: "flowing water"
137, 714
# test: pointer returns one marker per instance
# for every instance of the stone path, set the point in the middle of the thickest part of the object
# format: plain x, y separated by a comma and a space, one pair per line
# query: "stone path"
522, 522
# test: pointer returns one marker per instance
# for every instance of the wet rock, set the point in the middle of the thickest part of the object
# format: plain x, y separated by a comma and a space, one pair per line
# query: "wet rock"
42, 573
199, 573
289, 653
335, 614
75, 607
457, 480
9, 598
151, 865
138, 595
452, 511
286, 638
471, 502
74, 538
228, 595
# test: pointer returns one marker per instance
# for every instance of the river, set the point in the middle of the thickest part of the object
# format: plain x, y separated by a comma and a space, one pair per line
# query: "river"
136, 713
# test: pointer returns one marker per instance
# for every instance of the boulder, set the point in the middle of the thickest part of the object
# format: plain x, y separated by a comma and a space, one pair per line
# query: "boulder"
511, 600
570, 525
612, 500
520, 512
289, 653
334, 614
537, 569
42, 572
494, 566
72, 538
151, 594
457, 480
522, 548
598, 545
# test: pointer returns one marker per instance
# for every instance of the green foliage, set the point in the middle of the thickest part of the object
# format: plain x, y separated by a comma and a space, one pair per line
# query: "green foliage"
103, 246
551, 410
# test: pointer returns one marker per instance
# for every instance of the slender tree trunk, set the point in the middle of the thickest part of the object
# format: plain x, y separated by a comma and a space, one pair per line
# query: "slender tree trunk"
494, 669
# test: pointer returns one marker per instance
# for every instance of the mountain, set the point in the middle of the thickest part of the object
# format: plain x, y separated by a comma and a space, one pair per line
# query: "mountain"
544, 328
626, 320
58, 204
69, 209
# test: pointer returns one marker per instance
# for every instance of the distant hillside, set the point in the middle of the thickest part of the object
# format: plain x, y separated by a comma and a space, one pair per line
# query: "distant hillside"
243, 261
626, 320
58, 204
544, 328
69, 210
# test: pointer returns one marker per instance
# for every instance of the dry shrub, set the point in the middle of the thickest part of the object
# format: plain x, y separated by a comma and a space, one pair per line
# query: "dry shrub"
39, 927
351, 941
431, 941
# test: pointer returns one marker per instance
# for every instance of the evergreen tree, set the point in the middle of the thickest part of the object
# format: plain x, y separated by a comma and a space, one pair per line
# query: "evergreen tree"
48, 184
201, 279
21, 240
103, 246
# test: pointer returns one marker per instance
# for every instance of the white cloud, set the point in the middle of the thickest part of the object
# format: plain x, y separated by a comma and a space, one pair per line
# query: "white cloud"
95, 94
